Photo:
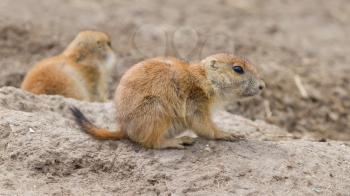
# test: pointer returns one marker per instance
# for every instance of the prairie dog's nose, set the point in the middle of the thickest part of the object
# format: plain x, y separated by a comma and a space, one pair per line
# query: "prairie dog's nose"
262, 85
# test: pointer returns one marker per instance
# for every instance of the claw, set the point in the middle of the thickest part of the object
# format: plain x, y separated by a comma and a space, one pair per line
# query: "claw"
229, 137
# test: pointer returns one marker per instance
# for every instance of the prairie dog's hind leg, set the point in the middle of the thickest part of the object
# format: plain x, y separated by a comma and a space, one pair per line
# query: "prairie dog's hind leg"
169, 140
171, 143
155, 137
52, 80
151, 126
186, 140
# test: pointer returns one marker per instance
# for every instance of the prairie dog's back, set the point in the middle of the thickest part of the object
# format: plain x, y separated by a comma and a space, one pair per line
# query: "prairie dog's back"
163, 79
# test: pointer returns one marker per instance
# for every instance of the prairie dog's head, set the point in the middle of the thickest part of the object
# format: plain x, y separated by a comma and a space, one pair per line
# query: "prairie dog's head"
232, 77
92, 47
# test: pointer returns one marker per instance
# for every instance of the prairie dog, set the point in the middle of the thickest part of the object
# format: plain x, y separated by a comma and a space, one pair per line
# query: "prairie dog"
159, 98
80, 72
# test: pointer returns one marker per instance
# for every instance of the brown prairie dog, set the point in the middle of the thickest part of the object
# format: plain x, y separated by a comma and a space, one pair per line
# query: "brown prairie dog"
160, 98
80, 72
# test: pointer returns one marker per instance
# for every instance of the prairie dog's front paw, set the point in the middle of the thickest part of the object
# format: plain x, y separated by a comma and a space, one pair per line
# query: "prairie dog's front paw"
222, 135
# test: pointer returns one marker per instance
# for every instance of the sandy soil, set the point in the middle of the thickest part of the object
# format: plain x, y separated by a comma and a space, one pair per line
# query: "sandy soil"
44, 153
285, 39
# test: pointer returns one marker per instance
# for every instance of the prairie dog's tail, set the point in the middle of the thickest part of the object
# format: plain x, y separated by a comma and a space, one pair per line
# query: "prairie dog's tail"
91, 129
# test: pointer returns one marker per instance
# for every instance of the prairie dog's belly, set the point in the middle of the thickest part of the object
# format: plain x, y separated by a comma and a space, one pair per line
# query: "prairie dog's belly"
79, 82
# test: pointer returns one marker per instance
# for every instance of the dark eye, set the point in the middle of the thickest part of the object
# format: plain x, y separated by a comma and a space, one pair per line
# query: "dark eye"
238, 69
109, 44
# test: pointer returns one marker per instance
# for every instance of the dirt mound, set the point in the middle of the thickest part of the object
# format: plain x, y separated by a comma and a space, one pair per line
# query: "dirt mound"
289, 41
44, 153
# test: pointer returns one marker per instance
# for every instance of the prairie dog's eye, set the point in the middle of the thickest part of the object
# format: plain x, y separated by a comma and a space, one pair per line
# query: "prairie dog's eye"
109, 44
99, 44
238, 69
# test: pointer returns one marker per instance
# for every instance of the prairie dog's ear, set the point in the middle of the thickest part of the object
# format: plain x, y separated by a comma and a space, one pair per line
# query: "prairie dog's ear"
212, 64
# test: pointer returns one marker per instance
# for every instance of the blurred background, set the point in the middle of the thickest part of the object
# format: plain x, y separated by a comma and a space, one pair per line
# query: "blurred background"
300, 47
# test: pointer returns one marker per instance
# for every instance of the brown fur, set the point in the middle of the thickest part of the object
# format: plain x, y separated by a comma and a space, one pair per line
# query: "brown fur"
80, 72
160, 98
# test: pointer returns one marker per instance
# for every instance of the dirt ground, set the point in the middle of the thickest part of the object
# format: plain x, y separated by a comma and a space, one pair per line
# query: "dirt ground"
288, 40
43, 152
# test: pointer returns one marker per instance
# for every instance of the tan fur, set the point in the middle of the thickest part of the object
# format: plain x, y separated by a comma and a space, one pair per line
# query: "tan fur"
80, 72
160, 98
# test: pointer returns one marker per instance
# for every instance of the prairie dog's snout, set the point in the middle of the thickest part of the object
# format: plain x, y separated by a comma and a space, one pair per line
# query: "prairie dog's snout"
262, 85
253, 87
107, 55
110, 60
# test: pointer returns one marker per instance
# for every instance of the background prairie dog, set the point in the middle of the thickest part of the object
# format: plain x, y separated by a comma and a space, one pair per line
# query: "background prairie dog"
80, 72
160, 98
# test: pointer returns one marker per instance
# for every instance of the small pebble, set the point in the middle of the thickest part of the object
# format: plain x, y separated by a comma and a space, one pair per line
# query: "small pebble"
207, 148
317, 190
31, 130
